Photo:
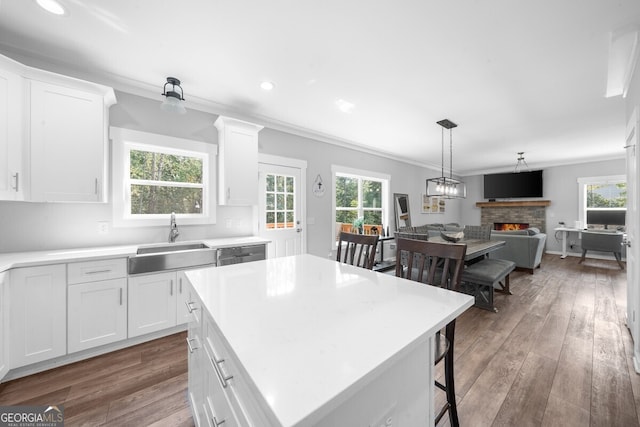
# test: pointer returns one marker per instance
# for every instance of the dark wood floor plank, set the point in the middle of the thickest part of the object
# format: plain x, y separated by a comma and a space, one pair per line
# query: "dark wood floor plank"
526, 401
572, 382
612, 402
560, 413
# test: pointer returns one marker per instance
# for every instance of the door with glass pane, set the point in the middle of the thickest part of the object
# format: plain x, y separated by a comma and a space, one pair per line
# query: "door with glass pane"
279, 206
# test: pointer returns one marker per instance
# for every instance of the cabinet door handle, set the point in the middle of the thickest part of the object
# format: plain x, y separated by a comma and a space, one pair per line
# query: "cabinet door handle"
223, 379
171, 288
98, 271
180, 284
228, 193
96, 187
190, 307
17, 177
120, 296
191, 348
216, 423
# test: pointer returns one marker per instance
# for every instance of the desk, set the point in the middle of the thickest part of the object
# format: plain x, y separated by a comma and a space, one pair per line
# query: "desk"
308, 339
565, 232
475, 247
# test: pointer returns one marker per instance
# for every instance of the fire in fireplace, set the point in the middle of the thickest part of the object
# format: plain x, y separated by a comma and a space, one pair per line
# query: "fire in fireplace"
508, 226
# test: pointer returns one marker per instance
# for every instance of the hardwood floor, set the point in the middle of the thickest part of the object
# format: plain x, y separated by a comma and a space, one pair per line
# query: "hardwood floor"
556, 353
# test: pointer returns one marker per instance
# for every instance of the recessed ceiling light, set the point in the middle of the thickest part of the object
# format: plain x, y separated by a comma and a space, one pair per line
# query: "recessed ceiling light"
266, 85
52, 6
345, 106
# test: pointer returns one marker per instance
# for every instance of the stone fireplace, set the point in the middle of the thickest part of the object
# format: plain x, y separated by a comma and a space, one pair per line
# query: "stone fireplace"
530, 212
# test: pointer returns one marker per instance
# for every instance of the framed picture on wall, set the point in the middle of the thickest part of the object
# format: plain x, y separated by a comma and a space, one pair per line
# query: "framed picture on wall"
432, 204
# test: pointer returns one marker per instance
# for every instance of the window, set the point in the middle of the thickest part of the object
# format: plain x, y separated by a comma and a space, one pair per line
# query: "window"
603, 201
280, 201
361, 200
156, 175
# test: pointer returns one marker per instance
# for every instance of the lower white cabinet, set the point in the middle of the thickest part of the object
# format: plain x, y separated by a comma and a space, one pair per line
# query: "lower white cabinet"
156, 302
219, 393
4, 326
97, 313
38, 316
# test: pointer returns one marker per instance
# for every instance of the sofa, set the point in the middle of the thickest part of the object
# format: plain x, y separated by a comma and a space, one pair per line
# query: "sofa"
524, 247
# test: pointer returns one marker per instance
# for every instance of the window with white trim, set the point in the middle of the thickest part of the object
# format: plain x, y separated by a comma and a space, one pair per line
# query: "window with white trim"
603, 201
360, 202
157, 175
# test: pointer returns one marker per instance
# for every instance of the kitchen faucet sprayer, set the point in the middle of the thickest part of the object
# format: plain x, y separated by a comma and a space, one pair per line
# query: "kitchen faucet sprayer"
173, 228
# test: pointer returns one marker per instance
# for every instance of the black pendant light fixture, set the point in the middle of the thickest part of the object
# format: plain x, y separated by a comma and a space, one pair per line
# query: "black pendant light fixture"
173, 103
443, 186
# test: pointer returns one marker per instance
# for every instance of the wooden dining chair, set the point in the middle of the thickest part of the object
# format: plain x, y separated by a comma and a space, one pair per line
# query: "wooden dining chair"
438, 264
357, 249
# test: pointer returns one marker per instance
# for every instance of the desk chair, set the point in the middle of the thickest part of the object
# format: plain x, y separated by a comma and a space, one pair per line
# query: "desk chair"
603, 242
362, 245
443, 264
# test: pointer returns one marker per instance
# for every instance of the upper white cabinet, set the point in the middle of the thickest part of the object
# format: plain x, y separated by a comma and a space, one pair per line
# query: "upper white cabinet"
68, 143
237, 162
53, 136
11, 139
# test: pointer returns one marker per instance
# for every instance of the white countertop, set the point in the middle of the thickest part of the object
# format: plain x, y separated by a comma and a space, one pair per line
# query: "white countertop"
307, 329
28, 259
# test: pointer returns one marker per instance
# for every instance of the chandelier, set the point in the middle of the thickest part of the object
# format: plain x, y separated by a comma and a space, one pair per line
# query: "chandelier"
443, 186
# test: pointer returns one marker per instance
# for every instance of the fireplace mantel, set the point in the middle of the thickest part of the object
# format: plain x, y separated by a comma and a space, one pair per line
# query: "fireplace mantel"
521, 203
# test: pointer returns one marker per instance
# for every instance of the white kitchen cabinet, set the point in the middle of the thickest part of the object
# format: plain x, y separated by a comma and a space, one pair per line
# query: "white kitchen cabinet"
4, 326
152, 303
97, 303
68, 141
237, 162
38, 314
11, 140
182, 298
195, 355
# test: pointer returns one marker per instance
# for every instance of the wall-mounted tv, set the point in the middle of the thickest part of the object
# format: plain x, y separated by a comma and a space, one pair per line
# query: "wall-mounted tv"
513, 185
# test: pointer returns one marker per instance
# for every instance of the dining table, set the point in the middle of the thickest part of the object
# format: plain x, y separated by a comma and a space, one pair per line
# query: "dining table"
475, 247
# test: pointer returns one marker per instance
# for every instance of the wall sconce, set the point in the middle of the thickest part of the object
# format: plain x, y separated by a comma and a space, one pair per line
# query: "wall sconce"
173, 101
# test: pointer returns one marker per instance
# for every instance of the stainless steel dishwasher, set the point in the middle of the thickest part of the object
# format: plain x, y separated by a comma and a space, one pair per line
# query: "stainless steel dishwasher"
240, 254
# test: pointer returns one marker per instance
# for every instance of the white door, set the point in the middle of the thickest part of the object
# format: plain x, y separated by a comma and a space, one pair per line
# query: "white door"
633, 248
152, 303
280, 209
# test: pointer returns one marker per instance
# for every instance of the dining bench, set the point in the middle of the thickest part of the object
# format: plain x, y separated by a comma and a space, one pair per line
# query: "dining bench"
480, 279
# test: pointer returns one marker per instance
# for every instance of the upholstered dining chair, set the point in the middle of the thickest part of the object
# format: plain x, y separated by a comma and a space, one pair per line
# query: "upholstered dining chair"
357, 249
482, 232
438, 264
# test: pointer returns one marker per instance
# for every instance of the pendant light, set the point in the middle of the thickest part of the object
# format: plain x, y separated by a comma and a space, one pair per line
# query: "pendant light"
173, 101
443, 186
521, 162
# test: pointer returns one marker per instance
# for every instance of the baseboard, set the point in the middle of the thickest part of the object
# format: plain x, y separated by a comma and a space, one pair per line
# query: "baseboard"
23, 371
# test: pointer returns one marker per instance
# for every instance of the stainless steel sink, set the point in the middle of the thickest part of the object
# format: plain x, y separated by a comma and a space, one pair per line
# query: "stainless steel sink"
172, 247
170, 257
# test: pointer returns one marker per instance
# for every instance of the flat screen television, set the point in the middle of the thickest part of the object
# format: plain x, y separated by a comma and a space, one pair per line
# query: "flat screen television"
607, 217
513, 185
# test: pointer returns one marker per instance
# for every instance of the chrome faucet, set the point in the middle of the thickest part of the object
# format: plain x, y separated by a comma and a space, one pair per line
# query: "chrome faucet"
173, 228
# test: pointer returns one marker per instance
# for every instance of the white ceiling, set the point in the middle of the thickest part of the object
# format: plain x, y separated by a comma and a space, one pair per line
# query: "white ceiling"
514, 75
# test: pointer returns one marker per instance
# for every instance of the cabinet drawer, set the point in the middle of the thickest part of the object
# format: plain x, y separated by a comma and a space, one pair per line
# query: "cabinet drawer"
232, 379
94, 271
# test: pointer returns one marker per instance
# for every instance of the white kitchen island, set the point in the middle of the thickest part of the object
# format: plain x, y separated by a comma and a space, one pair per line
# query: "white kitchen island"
305, 340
